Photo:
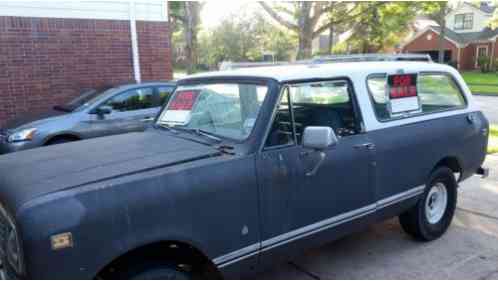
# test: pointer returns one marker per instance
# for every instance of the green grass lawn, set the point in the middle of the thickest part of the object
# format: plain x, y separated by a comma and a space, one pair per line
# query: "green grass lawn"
493, 139
474, 78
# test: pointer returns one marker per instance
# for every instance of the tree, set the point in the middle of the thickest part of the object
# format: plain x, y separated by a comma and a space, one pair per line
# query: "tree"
187, 14
305, 19
494, 20
383, 27
438, 11
244, 38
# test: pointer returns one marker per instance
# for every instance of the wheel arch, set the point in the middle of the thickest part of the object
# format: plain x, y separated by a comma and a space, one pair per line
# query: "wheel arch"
453, 163
64, 135
175, 251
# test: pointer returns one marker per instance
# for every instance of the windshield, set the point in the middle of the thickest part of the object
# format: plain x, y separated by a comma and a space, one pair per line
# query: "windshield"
86, 98
224, 109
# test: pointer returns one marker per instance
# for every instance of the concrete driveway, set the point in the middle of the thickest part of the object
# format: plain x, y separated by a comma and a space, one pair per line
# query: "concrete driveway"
469, 250
489, 105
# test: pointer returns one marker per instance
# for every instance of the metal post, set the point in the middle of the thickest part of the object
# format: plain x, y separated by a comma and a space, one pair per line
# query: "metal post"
134, 42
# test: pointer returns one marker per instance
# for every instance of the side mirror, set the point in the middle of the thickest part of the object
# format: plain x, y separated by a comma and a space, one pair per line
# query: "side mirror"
319, 138
103, 110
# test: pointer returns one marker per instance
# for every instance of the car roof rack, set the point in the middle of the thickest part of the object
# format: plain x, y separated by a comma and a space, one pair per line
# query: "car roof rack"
228, 65
372, 57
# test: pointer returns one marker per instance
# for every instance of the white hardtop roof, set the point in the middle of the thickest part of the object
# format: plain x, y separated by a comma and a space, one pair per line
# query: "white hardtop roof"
283, 73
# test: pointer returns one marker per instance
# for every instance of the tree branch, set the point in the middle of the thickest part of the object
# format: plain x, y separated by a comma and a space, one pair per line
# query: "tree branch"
331, 23
277, 17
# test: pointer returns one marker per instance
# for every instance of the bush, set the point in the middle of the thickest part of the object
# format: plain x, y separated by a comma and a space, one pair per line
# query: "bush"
484, 63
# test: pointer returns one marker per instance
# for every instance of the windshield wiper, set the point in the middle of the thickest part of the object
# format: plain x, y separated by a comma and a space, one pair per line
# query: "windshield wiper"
205, 133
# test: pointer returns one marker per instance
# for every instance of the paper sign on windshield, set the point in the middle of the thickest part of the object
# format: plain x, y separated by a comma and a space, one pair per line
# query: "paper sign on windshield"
179, 109
403, 96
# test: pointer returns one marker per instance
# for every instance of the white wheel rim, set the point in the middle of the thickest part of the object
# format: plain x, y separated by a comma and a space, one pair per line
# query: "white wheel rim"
436, 202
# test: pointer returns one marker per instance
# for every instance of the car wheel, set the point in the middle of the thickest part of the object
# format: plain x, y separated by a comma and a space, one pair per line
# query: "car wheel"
431, 217
154, 271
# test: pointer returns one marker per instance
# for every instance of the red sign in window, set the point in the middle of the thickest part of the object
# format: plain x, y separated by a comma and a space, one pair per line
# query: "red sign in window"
402, 86
183, 100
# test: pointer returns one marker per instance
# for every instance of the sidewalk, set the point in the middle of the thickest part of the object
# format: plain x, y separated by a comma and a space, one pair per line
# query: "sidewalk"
469, 250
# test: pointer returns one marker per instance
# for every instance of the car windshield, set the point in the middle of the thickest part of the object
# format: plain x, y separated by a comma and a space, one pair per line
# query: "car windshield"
86, 98
227, 110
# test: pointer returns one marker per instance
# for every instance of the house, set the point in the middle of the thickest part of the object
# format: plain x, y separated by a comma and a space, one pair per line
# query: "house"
467, 36
50, 50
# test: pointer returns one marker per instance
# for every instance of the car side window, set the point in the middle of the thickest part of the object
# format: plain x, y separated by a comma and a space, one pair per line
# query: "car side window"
136, 99
282, 132
437, 92
327, 104
164, 94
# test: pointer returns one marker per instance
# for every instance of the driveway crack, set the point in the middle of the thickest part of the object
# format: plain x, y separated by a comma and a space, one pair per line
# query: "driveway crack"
477, 213
303, 270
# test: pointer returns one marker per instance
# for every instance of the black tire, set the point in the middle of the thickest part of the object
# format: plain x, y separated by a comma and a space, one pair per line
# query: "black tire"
153, 271
416, 222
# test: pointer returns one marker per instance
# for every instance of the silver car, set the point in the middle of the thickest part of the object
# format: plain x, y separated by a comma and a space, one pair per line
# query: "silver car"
117, 110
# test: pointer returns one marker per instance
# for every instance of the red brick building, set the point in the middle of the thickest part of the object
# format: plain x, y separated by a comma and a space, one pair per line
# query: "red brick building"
466, 38
51, 50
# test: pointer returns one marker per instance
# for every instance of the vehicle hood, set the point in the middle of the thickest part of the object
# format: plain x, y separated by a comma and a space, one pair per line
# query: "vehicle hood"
33, 173
34, 119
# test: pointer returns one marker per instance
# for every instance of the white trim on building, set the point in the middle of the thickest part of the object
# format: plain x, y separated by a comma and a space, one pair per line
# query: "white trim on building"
145, 10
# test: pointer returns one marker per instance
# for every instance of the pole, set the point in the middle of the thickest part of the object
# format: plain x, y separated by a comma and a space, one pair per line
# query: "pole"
134, 42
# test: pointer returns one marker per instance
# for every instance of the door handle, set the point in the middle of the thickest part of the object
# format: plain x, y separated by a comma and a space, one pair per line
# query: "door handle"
148, 119
369, 146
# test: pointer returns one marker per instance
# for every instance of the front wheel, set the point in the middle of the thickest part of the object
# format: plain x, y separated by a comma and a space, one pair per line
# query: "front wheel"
431, 217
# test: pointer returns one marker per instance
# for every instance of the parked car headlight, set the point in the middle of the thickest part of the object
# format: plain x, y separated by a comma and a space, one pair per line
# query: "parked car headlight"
23, 135
13, 252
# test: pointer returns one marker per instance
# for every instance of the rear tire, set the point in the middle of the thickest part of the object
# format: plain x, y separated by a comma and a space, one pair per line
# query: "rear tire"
431, 217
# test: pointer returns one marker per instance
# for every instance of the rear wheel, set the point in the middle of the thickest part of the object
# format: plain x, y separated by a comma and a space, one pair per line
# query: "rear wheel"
431, 217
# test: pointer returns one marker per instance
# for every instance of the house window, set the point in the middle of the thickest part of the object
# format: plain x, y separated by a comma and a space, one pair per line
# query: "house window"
464, 21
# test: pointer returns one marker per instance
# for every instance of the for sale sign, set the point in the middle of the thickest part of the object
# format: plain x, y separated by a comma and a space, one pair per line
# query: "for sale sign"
402, 93
179, 109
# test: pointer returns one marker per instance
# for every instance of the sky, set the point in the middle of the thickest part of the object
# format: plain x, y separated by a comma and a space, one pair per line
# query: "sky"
213, 12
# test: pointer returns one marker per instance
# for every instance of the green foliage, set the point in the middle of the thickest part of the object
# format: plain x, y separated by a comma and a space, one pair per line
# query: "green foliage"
484, 63
384, 27
244, 38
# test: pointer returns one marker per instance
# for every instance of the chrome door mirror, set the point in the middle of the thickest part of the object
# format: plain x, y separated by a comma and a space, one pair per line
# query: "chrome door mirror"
319, 138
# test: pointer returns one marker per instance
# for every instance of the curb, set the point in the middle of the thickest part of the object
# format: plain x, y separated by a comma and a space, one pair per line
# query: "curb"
485, 95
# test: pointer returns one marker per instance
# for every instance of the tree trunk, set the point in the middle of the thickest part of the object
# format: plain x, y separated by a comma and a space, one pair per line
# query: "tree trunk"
305, 46
305, 31
331, 40
190, 29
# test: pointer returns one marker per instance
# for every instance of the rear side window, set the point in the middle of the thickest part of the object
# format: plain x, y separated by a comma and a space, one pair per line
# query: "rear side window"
437, 92
164, 94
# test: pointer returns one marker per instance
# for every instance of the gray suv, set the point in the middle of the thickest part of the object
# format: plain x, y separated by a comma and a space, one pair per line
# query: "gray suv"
117, 110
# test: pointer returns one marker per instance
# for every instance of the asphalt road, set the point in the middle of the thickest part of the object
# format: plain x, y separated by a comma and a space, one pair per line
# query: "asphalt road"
469, 250
489, 106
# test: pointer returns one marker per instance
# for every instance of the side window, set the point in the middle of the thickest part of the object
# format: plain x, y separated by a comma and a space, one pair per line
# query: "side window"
136, 99
437, 92
377, 88
324, 104
281, 132
164, 94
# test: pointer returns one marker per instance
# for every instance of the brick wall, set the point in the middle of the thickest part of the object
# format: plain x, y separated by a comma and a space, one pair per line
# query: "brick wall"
44, 62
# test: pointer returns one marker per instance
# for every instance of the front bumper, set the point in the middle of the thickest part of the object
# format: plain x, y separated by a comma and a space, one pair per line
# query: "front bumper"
7, 147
